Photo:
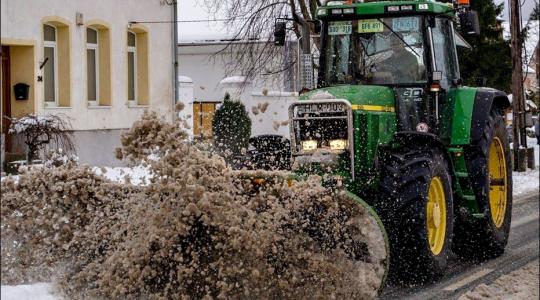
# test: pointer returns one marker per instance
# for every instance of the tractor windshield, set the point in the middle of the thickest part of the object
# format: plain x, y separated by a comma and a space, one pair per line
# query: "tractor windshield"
374, 51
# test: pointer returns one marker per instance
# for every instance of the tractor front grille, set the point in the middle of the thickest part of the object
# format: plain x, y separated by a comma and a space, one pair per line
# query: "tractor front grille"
321, 131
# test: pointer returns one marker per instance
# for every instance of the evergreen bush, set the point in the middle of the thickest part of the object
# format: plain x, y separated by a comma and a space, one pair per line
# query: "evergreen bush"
231, 127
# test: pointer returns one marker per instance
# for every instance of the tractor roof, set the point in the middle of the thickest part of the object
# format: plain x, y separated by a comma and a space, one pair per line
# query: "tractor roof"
382, 8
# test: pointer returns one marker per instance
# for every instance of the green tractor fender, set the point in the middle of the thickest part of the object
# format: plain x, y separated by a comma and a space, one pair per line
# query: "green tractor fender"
484, 100
466, 113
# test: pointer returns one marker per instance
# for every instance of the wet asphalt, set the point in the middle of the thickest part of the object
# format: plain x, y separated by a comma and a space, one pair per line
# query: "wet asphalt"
462, 276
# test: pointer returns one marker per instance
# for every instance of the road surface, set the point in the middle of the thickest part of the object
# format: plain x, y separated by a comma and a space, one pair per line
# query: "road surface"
462, 276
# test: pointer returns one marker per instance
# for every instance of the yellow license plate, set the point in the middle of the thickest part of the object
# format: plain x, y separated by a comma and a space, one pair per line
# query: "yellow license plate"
370, 25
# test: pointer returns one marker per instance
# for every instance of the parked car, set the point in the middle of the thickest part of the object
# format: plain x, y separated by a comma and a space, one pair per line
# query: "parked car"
267, 152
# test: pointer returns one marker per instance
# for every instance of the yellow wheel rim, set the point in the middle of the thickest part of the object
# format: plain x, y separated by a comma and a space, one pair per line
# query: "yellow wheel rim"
436, 215
498, 182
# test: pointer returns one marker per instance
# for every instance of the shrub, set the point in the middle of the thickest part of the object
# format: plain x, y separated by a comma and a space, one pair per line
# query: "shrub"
39, 131
231, 128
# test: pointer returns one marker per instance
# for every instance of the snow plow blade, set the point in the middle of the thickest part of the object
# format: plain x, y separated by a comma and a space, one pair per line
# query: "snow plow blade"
369, 241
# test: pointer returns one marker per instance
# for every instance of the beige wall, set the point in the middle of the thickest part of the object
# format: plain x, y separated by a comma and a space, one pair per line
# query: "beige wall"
23, 20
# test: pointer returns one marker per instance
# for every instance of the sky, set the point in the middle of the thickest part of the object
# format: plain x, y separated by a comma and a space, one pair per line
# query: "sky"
526, 9
189, 10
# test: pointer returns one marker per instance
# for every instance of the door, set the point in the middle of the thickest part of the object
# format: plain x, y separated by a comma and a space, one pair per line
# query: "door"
203, 113
6, 95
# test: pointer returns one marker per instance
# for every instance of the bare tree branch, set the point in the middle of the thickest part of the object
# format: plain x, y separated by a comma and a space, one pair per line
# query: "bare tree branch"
251, 51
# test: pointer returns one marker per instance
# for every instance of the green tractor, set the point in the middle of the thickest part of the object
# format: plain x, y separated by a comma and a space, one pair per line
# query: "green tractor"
392, 123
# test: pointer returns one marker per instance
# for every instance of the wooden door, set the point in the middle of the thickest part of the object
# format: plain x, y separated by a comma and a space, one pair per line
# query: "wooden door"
203, 113
6, 95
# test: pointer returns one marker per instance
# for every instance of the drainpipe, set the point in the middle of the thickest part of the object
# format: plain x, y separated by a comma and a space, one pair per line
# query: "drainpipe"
175, 56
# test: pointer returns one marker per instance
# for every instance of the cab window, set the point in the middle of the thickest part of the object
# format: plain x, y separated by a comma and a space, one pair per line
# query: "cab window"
444, 51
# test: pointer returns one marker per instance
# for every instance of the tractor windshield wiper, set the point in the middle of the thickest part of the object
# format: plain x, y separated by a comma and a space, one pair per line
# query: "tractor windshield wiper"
399, 37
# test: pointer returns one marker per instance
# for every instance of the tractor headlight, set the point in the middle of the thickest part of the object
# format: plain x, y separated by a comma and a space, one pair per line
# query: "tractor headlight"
338, 144
309, 145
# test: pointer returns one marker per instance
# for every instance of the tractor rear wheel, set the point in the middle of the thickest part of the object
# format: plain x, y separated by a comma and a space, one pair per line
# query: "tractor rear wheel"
489, 167
416, 207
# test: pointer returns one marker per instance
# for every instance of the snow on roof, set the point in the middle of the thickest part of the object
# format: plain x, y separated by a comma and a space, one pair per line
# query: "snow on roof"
184, 79
528, 102
233, 79
200, 24
528, 69
531, 104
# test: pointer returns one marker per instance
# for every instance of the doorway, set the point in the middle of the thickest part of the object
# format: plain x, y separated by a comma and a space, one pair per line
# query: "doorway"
203, 113
5, 112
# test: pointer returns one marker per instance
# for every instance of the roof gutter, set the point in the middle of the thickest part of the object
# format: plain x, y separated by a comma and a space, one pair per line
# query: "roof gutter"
175, 57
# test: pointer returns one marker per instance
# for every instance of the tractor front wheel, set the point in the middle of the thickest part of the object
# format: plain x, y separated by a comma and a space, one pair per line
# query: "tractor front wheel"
416, 207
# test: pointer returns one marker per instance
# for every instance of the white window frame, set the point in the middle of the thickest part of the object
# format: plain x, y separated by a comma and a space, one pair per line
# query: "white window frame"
51, 44
95, 47
133, 49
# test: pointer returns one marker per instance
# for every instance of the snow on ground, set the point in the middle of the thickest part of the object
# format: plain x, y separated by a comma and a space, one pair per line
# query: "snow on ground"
36, 291
525, 182
519, 284
138, 175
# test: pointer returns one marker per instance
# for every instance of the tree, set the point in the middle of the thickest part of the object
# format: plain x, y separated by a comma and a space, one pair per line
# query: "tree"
535, 14
231, 127
490, 54
39, 131
251, 51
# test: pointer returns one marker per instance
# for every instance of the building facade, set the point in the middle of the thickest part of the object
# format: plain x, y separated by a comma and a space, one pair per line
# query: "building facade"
101, 63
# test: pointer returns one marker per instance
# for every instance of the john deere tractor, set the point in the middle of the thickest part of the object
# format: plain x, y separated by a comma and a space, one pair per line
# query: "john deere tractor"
392, 123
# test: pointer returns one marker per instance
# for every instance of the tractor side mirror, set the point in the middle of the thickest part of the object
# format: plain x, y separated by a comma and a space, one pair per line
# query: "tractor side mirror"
280, 32
470, 25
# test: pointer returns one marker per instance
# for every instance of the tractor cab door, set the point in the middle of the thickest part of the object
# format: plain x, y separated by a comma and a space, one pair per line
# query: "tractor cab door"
444, 52
445, 60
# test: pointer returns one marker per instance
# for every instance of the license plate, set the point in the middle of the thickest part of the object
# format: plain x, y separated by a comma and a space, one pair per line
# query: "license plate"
321, 108
340, 28
370, 25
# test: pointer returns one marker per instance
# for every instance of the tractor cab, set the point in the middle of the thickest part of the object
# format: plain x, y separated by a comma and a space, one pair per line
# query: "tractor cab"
407, 46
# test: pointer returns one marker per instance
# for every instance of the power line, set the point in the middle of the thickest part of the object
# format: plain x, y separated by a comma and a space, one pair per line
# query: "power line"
186, 21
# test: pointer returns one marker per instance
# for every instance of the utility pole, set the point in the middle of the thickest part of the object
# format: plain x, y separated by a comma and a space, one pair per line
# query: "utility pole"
537, 49
518, 101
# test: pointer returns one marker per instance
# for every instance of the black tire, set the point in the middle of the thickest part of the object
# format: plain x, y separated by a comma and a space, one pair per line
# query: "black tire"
406, 176
478, 238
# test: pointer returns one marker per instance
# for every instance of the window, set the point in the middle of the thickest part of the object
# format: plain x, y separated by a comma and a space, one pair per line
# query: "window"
56, 62
50, 78
137, 66
132, 66
98, 64
374, 51
445, 51
92, 66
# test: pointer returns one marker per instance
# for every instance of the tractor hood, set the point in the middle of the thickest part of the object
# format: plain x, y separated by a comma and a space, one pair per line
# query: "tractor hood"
355, 94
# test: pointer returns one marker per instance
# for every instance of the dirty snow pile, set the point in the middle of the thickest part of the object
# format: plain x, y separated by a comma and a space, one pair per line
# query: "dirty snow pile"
195, 230
519, 284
